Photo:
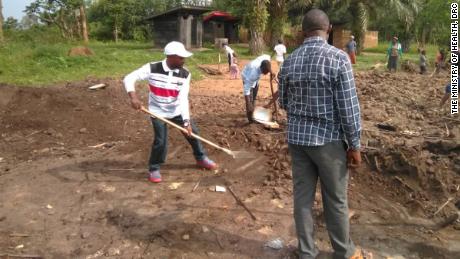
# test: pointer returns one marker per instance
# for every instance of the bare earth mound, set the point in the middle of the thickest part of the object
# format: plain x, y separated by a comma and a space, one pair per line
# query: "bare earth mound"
73, 168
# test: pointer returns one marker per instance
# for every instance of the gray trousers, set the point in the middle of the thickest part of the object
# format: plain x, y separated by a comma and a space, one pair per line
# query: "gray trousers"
329, 164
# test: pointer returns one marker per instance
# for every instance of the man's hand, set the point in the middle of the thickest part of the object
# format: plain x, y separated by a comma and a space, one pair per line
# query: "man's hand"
189, 130
274, 77
353, 158
135, 102
188, 127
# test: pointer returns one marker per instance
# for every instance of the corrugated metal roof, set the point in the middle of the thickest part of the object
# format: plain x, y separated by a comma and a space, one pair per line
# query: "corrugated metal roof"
196, 10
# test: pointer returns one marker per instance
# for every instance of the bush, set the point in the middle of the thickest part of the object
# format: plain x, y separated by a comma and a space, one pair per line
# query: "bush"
38, 34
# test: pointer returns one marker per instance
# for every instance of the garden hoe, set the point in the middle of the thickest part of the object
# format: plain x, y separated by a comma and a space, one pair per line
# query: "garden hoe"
234, 154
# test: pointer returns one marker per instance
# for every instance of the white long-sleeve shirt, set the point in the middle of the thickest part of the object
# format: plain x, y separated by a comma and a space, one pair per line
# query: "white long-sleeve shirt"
228, 50
280, 50
169, 88
251, 73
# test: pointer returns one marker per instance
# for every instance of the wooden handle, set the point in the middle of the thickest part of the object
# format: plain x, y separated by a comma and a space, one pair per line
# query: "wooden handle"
185, 131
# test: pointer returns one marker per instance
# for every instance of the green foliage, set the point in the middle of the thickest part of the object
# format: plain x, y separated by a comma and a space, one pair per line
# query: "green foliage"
433, 22
61, 13
257, 17
36, 35
11, 24
124, 16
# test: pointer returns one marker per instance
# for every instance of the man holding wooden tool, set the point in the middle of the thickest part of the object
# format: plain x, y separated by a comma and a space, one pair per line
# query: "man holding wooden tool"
251, 75
169, 84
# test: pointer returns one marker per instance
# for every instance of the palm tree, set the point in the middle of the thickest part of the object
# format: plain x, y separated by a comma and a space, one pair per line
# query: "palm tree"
278, 10
278, 16
257, 16
360, 11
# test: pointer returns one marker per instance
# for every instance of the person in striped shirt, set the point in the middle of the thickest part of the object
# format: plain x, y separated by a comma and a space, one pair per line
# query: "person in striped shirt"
169, 84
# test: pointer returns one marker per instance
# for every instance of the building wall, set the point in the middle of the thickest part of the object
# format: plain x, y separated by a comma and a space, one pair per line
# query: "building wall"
165, 30
372, 39
208, 32
341, 38
213, 30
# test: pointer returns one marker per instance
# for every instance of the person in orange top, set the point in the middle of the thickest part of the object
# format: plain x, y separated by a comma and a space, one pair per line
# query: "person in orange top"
351, 49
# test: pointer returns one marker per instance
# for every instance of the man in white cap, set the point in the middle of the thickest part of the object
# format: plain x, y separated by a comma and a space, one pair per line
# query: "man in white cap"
169, 84
351, 49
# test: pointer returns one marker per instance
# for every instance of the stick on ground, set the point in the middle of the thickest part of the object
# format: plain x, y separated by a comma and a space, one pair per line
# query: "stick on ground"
196, 185
240, 202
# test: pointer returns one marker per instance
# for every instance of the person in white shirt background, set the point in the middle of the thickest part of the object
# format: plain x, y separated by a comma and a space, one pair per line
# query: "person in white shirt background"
280, 52
230, 54
251, 75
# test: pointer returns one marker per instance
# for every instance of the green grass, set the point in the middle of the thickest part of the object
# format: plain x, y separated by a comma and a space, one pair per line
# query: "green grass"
372, 56
28, 63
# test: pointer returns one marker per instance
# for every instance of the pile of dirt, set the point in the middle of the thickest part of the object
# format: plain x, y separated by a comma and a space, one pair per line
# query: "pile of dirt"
37, 121
84, 153
409, 139
80, 51
411, 144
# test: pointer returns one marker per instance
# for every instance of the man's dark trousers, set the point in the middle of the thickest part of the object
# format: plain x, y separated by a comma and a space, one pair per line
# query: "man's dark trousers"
160, 143
329, 164
252, 98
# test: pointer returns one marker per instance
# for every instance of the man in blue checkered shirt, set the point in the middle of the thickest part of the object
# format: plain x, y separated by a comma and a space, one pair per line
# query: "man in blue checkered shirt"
317, 90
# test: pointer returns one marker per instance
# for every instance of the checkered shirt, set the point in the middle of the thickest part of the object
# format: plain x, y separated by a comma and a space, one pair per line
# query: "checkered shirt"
317, 89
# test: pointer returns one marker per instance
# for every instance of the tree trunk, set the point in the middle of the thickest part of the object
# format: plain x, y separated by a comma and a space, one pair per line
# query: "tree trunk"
78, 24
257, 18
1, 22
278, 17
423, 38
62, 25
115, 32
256, 44
84, 27
359, 24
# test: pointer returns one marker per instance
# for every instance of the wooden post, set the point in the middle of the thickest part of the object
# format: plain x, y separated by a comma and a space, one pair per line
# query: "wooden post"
199, 32
273, 97
218, 64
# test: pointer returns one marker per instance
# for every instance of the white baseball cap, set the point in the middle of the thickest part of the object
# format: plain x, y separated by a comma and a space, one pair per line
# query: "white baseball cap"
176, 48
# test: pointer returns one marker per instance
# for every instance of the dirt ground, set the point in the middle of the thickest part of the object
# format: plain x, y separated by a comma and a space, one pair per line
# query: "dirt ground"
73, 175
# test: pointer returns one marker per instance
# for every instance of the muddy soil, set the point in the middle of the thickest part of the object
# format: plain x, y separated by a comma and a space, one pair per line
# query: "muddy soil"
73, 175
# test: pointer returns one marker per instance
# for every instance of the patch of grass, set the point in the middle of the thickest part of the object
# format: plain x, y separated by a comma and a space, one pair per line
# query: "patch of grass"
372, 56
27, 60
39, 64
366, 60
28, 63
383, 47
